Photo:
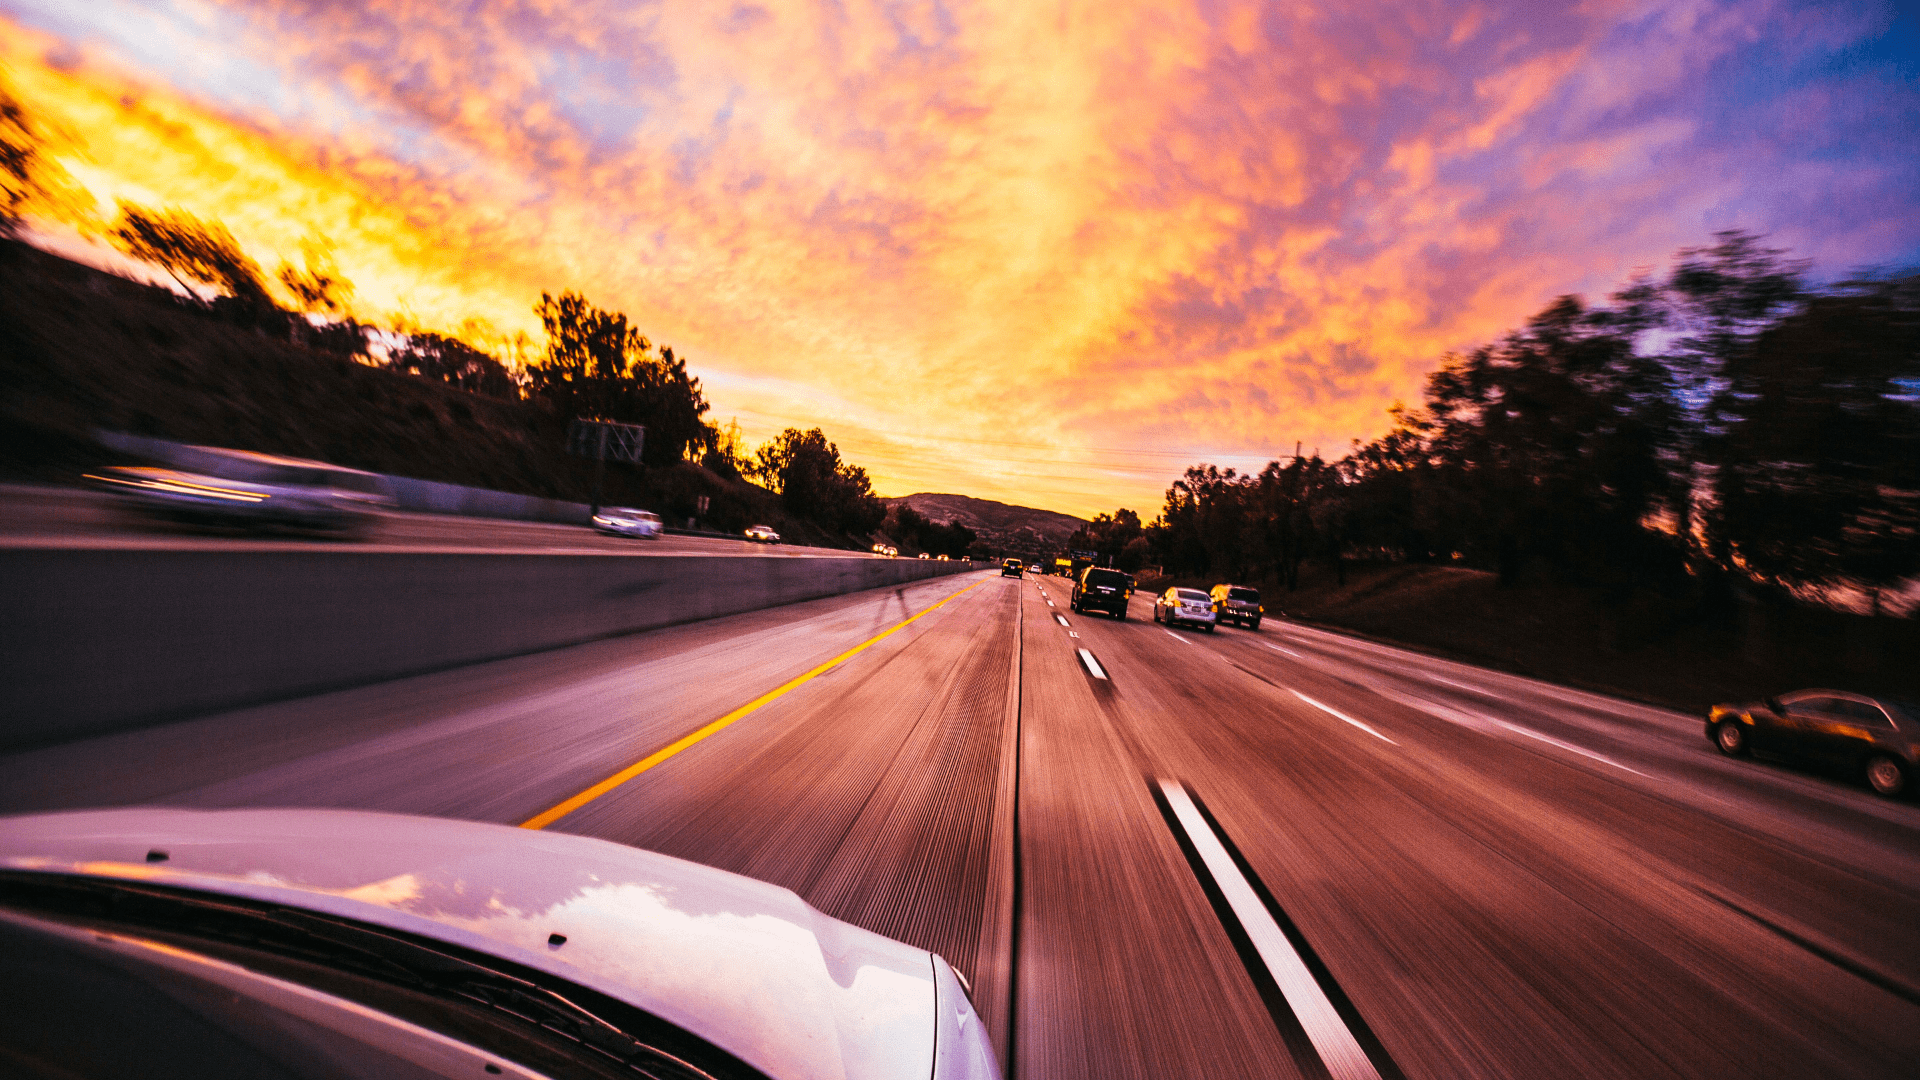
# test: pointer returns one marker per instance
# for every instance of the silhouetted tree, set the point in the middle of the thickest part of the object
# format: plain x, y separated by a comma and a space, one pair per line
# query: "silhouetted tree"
452, 361
1817, 456
30, 180
805, 468
598, 366
188, 248
319, 288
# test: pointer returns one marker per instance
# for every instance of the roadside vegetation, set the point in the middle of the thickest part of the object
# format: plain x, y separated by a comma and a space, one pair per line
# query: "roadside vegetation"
1687, 469
281, 362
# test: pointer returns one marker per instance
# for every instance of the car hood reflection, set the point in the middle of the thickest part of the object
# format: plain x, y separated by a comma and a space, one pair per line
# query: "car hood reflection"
746, 965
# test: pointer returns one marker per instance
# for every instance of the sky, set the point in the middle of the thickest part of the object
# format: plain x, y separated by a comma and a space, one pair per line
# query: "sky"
1047, 253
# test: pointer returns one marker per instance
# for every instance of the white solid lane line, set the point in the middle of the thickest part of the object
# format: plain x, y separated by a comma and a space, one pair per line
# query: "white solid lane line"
1337, 1047
1551, 741
1093, 666
1493, 725
1175, 636
1331, 711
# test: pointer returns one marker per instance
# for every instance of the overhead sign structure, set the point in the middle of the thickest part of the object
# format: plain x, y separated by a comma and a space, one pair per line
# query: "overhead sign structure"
602, 440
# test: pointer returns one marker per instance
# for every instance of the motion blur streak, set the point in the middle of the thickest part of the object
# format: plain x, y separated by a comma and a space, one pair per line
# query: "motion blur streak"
555, 813
906, 221
1488, 906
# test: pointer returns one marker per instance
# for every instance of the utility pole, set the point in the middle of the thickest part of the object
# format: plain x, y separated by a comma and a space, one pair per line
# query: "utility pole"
601, 439
599, 471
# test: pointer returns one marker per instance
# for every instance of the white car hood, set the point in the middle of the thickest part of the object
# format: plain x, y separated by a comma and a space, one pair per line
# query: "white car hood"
745, 965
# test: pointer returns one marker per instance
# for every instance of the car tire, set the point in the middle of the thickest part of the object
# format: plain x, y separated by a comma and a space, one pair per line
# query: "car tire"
1211, 627
1121, 615
1255, 627
1730, 738
1887, 775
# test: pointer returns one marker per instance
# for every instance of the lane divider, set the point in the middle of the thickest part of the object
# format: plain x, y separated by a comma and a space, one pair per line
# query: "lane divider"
1176, 637
1059, 618
1242, 907
556, 812
1093, 666
1289, 652
1331, 711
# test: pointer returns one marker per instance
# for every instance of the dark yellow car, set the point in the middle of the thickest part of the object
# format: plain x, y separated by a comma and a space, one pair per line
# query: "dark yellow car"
1872, 736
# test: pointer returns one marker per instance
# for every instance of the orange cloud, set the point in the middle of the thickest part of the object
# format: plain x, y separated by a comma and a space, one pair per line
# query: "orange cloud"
1048, 254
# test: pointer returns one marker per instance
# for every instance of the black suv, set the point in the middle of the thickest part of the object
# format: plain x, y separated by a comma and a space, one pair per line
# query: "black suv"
1010, 568
1101, 590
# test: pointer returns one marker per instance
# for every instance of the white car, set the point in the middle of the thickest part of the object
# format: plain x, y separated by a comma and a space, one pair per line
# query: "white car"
1191, 606
242, 489
271, 942
625, 521
762, 534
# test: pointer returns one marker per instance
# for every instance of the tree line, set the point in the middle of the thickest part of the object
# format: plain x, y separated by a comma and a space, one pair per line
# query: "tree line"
1724, 425
595, 363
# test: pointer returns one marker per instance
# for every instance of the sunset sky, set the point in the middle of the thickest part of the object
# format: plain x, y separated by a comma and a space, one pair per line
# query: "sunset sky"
1048, 253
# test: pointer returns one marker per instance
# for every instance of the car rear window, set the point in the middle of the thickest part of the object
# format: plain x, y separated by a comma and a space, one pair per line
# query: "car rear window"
1195, 595
1112, 578
1245, 596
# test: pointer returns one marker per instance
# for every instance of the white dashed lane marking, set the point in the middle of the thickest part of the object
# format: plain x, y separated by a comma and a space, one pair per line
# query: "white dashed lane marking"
1093, 666
1333, 712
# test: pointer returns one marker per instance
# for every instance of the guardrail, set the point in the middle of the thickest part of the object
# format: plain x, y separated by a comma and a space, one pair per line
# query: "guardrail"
96, 640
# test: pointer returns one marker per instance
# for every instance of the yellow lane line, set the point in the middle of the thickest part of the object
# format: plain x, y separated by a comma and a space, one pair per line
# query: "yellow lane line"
555, 813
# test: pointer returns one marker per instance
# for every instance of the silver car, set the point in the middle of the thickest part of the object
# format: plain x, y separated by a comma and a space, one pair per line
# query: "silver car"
333, 943
242, 489
762, 534
626, 521
1189, 606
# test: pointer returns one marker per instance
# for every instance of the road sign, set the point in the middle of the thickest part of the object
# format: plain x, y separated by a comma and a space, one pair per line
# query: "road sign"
601, 440
604, 440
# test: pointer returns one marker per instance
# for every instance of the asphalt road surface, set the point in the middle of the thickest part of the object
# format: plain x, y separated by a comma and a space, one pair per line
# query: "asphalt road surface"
33, 516
1162, 854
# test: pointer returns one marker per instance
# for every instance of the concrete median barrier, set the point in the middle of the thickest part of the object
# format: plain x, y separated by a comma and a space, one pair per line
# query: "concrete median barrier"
97, 640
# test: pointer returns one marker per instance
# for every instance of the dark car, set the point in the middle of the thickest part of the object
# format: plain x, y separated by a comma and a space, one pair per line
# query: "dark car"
1238, 604
1874, 736
1010, 568
1101, 590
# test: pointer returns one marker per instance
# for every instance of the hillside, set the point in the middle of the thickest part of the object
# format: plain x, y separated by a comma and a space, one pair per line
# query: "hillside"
995, 522
81, 349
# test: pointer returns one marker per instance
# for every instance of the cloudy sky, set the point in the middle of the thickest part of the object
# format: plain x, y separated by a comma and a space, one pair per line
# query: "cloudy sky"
1043, 252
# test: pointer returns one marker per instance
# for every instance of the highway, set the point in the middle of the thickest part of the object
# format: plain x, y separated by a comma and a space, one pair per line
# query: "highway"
1161, 853
47, 517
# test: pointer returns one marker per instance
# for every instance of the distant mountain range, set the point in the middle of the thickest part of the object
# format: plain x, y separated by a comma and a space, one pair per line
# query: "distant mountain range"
996, 522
